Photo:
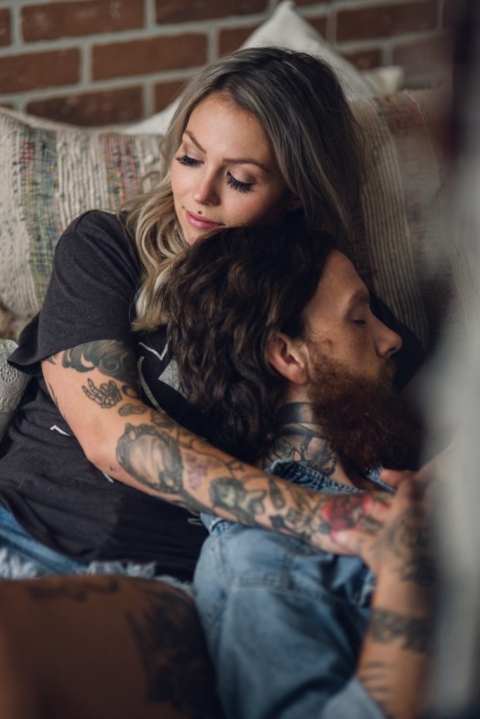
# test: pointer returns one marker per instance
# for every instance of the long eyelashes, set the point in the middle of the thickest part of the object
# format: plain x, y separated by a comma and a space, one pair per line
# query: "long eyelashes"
231, 181
237, 185
186, 160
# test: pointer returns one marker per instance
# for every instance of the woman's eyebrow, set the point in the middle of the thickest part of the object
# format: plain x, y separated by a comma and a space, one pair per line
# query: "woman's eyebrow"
229, 160
194, 140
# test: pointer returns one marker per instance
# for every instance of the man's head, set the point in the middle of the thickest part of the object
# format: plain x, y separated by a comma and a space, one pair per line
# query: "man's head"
340, 327
261, 316
229, 296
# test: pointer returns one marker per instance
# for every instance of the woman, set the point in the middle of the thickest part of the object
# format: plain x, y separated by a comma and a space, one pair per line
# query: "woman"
261, 136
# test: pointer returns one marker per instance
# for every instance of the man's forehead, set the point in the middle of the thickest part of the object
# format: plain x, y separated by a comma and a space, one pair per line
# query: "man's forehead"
340, 283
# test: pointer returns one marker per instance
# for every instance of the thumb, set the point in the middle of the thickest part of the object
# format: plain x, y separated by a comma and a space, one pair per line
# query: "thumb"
351, 541
394, 478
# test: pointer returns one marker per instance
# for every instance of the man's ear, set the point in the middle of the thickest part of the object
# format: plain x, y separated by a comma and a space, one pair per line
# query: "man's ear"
293, 202
287, 357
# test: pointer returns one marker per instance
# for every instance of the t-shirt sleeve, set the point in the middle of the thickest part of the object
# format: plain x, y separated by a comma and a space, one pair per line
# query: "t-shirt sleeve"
91, 292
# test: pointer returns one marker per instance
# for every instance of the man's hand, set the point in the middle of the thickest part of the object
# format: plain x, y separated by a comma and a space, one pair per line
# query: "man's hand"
395, 657
352, 516
401, 537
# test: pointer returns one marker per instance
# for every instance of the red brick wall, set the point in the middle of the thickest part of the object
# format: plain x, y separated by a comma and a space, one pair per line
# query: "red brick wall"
97, 62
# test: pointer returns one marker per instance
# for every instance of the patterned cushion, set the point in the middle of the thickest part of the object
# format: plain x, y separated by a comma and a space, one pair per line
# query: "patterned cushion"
59, 171
12, 385
55, 172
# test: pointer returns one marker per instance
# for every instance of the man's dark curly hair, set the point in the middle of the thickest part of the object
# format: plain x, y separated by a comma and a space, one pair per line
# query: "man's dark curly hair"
226, 300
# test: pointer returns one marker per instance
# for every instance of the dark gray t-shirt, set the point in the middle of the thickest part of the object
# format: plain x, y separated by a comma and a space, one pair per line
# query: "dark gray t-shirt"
46, 481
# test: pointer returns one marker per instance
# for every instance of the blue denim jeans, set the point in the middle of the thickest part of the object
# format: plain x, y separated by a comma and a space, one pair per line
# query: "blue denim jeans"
23, 557
284, 622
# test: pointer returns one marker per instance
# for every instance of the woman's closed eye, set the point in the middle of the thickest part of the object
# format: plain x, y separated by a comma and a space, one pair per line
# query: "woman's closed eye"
187, 160
232, 181
238, 185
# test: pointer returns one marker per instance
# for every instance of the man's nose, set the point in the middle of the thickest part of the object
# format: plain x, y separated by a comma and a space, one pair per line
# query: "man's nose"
388, 342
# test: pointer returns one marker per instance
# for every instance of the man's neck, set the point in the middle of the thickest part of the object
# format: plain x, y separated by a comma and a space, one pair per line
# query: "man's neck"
299, 438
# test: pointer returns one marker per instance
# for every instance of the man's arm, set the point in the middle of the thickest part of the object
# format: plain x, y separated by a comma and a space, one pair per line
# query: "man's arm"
95, 386
395, 656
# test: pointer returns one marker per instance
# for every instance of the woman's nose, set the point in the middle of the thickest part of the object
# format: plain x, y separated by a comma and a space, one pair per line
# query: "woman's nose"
205, 192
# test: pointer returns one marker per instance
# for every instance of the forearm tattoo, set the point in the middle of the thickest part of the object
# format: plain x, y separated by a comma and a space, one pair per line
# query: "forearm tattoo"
128, 409
408, 633
408, 540
414, 633
174, 464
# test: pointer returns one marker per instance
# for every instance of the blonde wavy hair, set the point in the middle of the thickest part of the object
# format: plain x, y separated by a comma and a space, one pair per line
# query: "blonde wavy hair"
315, 140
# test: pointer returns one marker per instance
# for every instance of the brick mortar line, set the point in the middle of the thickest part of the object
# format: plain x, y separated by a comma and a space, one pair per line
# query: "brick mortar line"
66, 43
330, 12
354, 4
200, 27
147, 83
88, 41
163, 30
149, 12
121, 83
15, 25
346, 46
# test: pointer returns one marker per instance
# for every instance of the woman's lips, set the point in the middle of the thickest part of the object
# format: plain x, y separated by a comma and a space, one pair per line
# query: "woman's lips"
200, 223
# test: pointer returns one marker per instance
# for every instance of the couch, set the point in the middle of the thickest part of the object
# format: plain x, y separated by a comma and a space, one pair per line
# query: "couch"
56, 171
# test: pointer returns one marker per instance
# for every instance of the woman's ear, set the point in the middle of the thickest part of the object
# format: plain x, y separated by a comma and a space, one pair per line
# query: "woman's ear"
286, 356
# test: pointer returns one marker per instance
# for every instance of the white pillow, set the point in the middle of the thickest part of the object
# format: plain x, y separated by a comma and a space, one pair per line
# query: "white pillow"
287, 28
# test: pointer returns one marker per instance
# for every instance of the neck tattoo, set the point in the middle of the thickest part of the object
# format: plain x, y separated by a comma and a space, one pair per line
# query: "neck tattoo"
299, 438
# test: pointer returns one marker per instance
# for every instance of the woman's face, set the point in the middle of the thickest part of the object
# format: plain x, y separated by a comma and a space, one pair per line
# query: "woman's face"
224, 172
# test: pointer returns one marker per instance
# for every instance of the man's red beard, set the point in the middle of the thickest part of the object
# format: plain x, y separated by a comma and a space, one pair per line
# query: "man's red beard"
365, 421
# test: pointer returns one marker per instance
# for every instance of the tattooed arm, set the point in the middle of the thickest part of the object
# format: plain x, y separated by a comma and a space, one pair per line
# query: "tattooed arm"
395, 656
95, 386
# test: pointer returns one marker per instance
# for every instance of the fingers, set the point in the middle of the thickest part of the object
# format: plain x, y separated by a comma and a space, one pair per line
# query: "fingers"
394, 478
377, 506
352, 541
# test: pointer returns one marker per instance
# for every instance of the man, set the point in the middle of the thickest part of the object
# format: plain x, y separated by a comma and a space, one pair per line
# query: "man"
273, 321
